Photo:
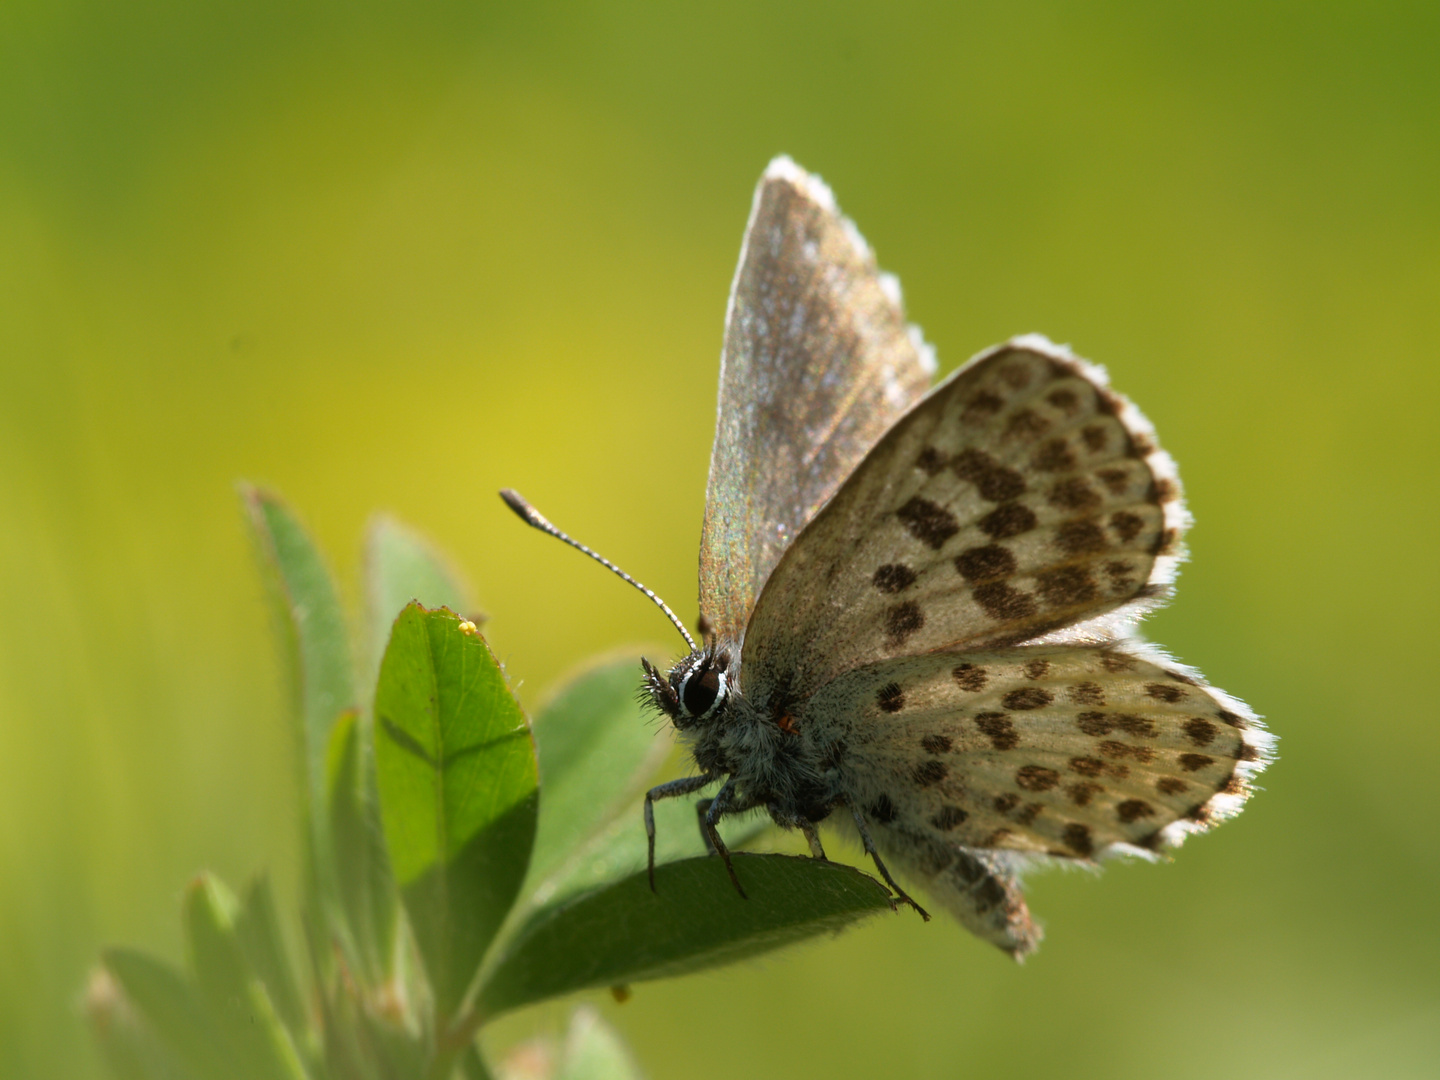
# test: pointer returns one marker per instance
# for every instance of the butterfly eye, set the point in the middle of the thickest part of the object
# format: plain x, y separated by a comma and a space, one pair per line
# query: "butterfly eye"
701, 689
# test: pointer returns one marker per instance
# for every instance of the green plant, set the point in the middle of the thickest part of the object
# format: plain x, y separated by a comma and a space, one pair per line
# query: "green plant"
440, 889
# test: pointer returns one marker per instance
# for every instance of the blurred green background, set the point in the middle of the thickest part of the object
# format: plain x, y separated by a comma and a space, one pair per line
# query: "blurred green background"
397, 256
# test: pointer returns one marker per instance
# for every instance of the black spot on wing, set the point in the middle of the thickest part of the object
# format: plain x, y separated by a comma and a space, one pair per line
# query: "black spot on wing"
1077, 839
902, 621
883, 810
1200, 731
949, 818
929, 773
970, 677
999, 728
1027, 697
1036, 778
890, 698
992, 480
1008, 520
1067, 586
928, 522
1003, 602
930, 461
985, 563
893, 578
1080, 537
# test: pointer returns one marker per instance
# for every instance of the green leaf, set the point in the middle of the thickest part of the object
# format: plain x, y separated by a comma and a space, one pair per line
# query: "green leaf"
597, 748
237, 1001
173, 1010
624, 933
258, 930
362, 868
129, 1047
312, 622
458, 791
594, 1051
400, 566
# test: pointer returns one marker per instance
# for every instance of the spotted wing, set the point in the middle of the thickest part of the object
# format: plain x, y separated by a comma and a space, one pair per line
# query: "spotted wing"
973, 760
818, 362
1020, 497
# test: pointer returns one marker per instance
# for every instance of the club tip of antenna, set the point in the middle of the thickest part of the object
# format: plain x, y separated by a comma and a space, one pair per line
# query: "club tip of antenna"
516, 502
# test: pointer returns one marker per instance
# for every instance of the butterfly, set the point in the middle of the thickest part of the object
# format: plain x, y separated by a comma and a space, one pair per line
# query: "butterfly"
917, 604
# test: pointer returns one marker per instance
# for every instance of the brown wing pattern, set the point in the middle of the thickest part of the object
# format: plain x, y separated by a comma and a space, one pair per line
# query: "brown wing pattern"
1020, 497
979, 888
1055, 750
1065, 751
818, 362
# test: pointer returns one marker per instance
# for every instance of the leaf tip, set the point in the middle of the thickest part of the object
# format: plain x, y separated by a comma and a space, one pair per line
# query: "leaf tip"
102, 1000
256, 497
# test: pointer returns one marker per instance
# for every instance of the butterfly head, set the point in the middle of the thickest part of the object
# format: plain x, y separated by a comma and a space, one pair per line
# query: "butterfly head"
696, 688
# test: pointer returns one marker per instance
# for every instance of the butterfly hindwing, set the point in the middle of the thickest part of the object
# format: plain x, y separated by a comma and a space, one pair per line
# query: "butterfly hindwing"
1060, 750
1020, 496
818, 362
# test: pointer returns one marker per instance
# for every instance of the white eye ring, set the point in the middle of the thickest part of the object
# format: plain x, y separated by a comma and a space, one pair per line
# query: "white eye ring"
722, 689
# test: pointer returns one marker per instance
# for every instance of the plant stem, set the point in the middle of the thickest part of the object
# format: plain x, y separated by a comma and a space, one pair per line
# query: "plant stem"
456, 1042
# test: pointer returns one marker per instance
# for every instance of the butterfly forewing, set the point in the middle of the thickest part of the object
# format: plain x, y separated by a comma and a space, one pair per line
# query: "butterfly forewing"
1020, 496
818, 362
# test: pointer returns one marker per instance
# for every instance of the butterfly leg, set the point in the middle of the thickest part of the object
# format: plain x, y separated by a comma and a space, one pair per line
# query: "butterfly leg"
812, 837
702, 808
722, 804
884, 872
684, 786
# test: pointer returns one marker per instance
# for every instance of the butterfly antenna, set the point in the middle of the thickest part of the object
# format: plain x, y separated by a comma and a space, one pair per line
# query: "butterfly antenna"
537, 520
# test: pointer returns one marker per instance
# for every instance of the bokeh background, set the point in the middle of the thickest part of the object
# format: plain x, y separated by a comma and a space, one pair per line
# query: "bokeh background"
397, 256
